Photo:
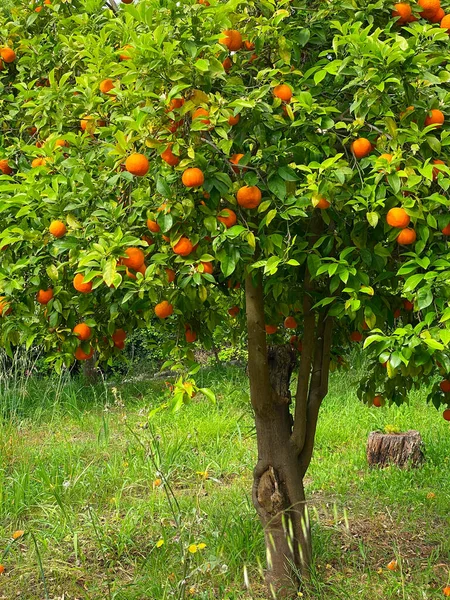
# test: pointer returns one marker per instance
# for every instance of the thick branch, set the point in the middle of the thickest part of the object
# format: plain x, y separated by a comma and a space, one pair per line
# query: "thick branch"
258, 367
318, 389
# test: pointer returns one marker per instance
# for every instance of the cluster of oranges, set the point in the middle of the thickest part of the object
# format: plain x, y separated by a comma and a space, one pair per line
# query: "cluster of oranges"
429, 9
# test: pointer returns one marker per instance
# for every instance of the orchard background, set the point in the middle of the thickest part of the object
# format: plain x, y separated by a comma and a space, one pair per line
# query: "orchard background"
270, 177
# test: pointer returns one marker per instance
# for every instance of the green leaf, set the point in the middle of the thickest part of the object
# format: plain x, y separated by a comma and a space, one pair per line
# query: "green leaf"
424, 297
372, 217
278, 187
109, 271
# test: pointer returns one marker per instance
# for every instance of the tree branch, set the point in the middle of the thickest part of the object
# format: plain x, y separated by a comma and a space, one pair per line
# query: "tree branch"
258, 366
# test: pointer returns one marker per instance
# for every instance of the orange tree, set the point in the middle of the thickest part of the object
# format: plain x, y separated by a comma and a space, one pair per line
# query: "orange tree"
278, 168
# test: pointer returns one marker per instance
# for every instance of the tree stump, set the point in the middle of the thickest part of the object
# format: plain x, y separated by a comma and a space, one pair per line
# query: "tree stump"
401, 449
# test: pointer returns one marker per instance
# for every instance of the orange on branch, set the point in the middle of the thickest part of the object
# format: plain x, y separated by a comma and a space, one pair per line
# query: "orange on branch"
271, 329
8, 55
378, 401
80, 354
249, 196
361, 147
39, 162
183, 247
227, 217
44, 296
80, 285
446, 416
445, 386
436, 170
119, 337
234, 120
232, 39
406, 237
435, 117
170, 275
356, 336
82, 331
135, 258
174, 104
402, 10
227, 64
163, 310
153, 226
193, 177
208, 268
169, 157
57, 229
137, 164
290, 323
398, 217
199, 113
323, 203
106, 86
235, 158
234, 311
4, 167
283, 91
190, 335
445, 23
5, 308
407, 305
437, 18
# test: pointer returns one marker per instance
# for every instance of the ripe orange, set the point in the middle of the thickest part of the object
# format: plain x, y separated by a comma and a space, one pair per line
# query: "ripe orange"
44, 296
227, 217
397, 217
446, 415
201, 112
437, 18
125, 54
190, 335
135, 258
118, 337
38, 9
82, 331
8, 55
4, 167
407, 305
193, 177
445, 386
232, 39
170, 275
169, 157
397, 313
393, 565
402, 10
5, 308
234, 311
249, 196
271, 329
406, 237
235, 158
430, 7
445, 23
174, 104
137, 164
290, 323
361, 147
183, 247
435, 117
153, 226
356, 336
38, 162
127, 1
81, 355
60, 143
57, 228
208, 268
387, 157
17, 534
436, 171
446, 230
106, 86
283, 91
323, 204
163, 309
377, 401
227, 64
80, 285
446, 590
233, 120
249, 45
204, 2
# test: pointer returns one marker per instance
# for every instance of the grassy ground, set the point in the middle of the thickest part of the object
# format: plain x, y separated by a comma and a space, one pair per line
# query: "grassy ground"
115, 508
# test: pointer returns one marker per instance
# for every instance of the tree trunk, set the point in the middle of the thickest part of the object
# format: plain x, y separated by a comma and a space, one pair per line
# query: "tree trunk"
401, 449
90, 371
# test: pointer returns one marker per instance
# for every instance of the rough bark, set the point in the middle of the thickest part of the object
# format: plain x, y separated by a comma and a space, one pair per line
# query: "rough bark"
400, 449
90, 371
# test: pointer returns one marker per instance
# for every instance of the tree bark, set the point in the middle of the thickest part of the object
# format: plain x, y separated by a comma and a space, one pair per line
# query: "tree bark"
90, 371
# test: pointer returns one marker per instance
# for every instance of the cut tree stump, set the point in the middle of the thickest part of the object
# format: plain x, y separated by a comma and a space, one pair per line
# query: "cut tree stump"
401, 449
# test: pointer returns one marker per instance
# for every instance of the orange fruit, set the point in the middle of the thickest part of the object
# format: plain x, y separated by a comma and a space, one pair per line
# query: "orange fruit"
233, 120
406, 237
446, 590
193, 177
323, 204
283, 91
127, 1
169, 157
174, 104
57, 228
235, 158
234, 311
232, 39
183, 247
119, 336
249, 45
163, 310
356, 336
208, 268
361, 147
106, 86
170, 275
17, 534
404, 11
397, 313
8, 55
5, 308
82, 331
397, 217
204, 2
446, 415
249, 196
125, 54
153, 226
137, 164
445, 386
290, 323
4, 167
435, 117
430, 7
80, 285
60, 143
135, 258
38, 162
407, 305
190, 335
271, 329
44, 296
437, 18
436, 171
227, 217
377, 401
393, 565
387, 157
80, 354
446, 230
445, 23
201, 112
227, 64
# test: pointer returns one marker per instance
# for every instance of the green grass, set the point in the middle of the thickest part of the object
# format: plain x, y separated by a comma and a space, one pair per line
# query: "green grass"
79, 471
